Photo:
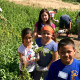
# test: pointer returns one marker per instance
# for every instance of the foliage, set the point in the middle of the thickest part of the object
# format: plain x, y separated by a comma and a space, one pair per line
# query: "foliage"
71, 0
13, 19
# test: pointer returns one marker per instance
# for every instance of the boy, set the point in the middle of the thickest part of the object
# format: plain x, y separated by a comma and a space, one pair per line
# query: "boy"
47, 45
66, 68
65, 23
52, 13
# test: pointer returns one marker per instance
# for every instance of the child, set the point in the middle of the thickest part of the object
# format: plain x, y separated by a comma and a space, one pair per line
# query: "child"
48, 45
78, 17
65, 23
26, 53
52, 13
44, 19
66, 68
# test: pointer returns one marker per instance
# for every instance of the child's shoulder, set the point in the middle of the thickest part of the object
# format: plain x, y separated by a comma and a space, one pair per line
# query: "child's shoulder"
38, 39
53, 42
56, 63
21, 48
76, 61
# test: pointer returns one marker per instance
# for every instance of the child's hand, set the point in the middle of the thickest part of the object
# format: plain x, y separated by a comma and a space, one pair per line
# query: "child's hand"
56, 20
39, 36
23, 60
37, 57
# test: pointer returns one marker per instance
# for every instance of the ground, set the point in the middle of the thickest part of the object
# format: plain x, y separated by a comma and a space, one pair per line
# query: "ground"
54, 4
48, 4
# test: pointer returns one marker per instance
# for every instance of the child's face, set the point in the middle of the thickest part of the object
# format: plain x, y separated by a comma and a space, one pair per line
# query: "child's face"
66, 54
46, 35
27, 39
44, 17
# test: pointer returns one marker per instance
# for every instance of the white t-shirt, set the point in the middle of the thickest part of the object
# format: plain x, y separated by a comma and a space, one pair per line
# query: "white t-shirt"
51, 13
30, 57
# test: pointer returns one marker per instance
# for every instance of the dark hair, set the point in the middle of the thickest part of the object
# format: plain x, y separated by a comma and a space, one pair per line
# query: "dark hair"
40, 20
26, 31
64, 42
55, 10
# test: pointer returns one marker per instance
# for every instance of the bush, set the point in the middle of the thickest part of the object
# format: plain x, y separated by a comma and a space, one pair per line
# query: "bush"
71, 0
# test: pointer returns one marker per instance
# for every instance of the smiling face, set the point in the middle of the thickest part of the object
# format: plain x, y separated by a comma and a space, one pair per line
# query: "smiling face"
46, 35
27, 39
66, 54
44, 17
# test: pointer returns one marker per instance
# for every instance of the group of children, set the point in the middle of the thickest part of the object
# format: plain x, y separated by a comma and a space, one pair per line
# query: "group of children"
47, 66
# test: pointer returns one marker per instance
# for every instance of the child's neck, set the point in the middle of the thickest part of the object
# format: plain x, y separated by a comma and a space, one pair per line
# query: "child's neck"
44, 23
28, 45
68, 63
45, 42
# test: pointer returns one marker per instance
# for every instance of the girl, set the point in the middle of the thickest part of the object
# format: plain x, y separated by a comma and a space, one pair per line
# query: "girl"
78, 17
44, 19
48, 46
26, 53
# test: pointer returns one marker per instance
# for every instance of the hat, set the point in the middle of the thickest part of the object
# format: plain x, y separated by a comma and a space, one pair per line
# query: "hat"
48, 28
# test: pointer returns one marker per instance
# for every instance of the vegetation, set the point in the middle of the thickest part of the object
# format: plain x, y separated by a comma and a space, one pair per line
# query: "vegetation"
13, 19
71, 0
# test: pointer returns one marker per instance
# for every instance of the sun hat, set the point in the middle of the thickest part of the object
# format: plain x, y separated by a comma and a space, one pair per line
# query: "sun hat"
48, 28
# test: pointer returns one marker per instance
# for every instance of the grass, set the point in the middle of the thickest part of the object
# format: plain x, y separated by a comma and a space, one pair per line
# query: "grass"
75, 2
13, 19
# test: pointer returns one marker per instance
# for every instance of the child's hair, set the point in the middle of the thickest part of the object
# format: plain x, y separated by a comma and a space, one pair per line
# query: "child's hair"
64, 42
55, 10
40, 20
26, 31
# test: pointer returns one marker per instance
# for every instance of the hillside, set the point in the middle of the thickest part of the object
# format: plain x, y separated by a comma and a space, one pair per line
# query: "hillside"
48, 4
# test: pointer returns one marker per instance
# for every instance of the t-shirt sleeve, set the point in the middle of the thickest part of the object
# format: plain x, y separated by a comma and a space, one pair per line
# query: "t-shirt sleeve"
52, 14
20, 49
55, 47
36, 25
53, 26
69, 19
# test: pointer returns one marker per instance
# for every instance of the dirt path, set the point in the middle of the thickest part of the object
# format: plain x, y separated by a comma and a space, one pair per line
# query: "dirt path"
47, 4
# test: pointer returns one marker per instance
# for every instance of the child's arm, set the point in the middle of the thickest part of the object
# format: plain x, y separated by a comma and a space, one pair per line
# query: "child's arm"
22, 58
20, 55
54, 58
35, 33
70, 25
52, 18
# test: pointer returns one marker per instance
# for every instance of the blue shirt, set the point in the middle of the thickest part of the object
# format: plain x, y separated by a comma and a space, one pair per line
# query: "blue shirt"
59, 71
45, 60
65, 19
